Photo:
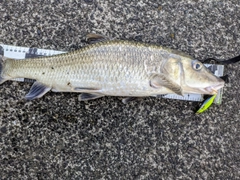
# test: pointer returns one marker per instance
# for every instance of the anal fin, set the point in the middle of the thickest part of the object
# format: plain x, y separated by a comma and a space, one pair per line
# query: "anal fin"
89, 96
37, 90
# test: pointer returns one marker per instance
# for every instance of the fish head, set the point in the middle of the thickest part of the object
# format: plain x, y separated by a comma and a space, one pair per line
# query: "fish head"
196, 78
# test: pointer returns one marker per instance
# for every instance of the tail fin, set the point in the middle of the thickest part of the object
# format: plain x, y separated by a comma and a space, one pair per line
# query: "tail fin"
2, 79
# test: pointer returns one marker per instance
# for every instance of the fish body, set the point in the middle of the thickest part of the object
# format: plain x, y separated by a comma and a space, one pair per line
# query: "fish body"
114, 68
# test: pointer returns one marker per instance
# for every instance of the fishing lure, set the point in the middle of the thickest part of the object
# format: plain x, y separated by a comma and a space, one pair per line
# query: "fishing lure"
206, 104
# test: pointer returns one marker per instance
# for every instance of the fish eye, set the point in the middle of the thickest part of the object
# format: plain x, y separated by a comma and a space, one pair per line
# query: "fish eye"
197, 65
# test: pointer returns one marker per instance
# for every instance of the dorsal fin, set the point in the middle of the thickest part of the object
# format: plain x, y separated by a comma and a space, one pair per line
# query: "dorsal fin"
94, 38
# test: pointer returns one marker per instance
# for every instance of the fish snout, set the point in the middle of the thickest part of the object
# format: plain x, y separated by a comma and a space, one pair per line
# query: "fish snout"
213, 89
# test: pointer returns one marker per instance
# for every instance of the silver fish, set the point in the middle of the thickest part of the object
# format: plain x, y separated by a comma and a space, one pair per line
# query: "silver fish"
114, 68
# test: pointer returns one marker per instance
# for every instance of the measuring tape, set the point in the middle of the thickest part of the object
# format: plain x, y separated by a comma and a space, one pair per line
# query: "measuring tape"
17, 52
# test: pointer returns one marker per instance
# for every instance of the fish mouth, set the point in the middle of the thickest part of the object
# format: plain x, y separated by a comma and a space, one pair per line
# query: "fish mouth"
214, 89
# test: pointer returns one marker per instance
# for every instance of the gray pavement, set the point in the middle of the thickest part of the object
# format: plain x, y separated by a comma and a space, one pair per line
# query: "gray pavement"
57, 137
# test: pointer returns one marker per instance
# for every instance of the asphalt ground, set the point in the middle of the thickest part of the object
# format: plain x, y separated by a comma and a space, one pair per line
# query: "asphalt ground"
58, 137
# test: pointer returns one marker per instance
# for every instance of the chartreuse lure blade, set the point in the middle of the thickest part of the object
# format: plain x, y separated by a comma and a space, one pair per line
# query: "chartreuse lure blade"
207, 103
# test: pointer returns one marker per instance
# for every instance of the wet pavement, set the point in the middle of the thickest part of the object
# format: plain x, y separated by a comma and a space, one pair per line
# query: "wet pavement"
57, 137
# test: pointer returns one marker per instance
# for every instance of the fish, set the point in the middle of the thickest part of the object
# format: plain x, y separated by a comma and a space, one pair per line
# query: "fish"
111, 67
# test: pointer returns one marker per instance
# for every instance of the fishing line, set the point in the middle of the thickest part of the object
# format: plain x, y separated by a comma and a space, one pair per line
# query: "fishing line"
208, 100
229, 61
224, 62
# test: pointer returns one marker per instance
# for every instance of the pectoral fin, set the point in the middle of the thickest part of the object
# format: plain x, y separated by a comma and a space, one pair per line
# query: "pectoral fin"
37, 90
129, 99
89, 96
160, 80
